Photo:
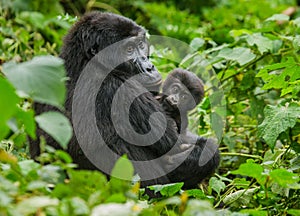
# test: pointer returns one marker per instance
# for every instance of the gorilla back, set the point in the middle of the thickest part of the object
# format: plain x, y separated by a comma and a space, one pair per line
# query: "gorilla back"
130, 67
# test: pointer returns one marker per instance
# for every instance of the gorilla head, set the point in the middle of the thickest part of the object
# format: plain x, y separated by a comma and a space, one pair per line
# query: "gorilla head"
184, 90
96, 31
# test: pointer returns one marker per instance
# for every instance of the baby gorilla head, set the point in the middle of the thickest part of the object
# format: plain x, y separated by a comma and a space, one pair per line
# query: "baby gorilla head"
182, 91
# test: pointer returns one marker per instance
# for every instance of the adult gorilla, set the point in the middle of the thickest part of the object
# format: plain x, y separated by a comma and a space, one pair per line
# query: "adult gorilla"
90, 36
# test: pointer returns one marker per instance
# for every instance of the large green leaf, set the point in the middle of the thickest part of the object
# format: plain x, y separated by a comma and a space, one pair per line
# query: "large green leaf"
57, 125
263, 44
8, 105
167, 189
285, 178
217, 184
289, 73
277, 120
123, 169
42, 79
240, 54
251, 169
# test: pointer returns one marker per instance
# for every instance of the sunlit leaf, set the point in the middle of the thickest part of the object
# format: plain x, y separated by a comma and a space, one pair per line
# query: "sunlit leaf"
8, 105
252, 170
57, 125
167, 189
278, 17
277, 120
42, 78
33, 204
284, 178
217, 184
240, 54
123, 169
263, 44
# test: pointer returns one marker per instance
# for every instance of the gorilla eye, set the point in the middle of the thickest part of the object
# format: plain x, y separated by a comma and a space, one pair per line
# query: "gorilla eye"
184, 96
141, 45
130, 49
175, 90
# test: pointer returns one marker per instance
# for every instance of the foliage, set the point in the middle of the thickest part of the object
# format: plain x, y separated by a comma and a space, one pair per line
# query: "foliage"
247, 54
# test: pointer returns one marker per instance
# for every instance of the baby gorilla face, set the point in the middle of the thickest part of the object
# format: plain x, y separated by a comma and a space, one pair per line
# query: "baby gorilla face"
178, 97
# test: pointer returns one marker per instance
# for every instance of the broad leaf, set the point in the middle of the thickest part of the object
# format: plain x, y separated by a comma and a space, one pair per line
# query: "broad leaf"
8, 105
240, 54
240, 197
217, 184
42, 79
26, 117
197, 43
263, 44
123, 169
56, 125
167, 190
285, 178
277, 120
251, 169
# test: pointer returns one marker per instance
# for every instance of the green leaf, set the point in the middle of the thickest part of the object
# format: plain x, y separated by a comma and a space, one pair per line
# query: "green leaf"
42, 79
217, 184
29, 167
197, 43
284, 178
167, 190
56, 125
26, 117
240, 197
123, 169
240, 54
33, 204
196, 193
253, 212
217, 124
286, 75
8, 105
251, 169
78, 206
294, 212
277, 120
82, 184
199, 207
278, 17
263, 44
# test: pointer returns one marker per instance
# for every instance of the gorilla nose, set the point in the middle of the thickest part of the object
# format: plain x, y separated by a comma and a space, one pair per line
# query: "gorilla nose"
150, 68
173, 100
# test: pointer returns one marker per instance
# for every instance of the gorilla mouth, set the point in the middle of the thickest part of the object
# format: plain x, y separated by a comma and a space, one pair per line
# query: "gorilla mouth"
154, 83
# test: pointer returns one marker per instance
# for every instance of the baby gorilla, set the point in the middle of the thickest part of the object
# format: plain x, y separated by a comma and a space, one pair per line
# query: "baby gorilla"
182, 91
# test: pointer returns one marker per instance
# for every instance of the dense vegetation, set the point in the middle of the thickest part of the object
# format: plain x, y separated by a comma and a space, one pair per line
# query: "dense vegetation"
247, 52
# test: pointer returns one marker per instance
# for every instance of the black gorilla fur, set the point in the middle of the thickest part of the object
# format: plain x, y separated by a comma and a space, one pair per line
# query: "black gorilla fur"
189, 85
92, 33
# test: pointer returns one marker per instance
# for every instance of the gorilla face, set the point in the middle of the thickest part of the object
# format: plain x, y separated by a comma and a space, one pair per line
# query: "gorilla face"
135, 50
178, 97
183, 90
